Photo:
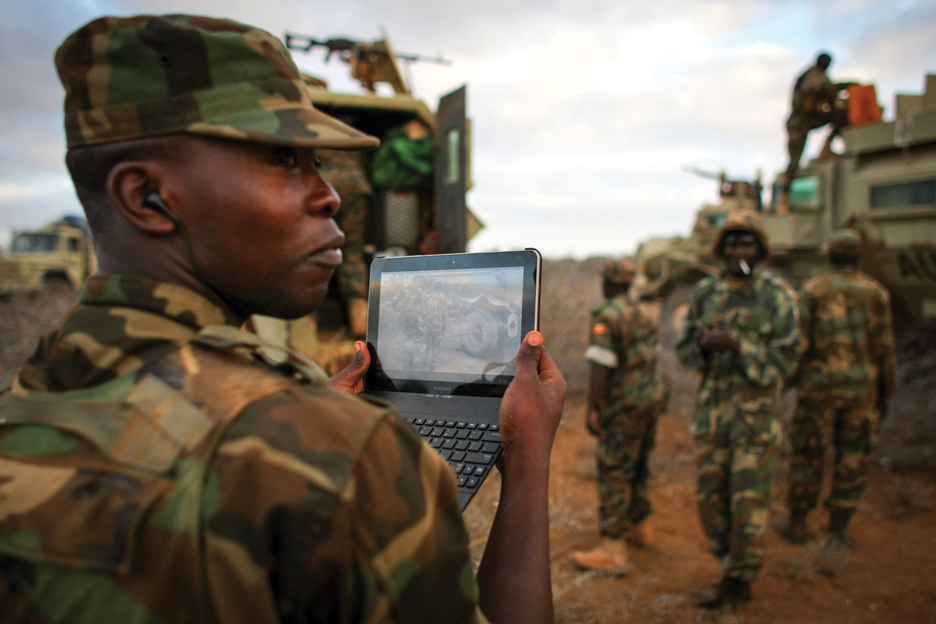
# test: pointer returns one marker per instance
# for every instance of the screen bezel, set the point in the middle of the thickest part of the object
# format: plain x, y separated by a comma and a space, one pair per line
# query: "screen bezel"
529, 260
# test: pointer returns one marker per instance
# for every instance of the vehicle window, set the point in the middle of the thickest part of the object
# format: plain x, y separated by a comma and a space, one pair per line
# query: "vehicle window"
715, 220
804, 191
905, 194
32, 243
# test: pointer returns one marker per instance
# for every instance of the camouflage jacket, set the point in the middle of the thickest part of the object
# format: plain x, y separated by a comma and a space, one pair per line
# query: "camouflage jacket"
762, 316
849, 341
157, 466
624, 339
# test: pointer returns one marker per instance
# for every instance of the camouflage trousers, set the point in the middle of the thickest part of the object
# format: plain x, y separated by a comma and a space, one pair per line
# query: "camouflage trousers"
733, 495
851, 429
352, 219
624, 447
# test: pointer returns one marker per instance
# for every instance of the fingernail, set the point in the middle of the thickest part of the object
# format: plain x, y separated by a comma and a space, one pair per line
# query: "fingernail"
535, 339
357, 347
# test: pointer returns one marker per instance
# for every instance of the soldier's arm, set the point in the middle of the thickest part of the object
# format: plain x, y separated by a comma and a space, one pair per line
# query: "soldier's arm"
805, 309
335, 510
882, 329
598, 376
603, 359
688, 350
514, 576
772, 359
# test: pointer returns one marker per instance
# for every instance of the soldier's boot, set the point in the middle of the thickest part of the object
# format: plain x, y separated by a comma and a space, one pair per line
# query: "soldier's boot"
836, 536
795, 531
642, 534
730, 592
610, 555
357, 316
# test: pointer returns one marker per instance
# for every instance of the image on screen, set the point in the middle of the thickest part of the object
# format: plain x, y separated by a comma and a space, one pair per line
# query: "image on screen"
463, 322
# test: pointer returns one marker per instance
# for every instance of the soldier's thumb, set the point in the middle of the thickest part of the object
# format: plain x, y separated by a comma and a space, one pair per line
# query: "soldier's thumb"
528, 356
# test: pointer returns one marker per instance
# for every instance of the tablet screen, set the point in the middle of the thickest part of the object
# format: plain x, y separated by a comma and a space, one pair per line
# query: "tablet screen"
450, 324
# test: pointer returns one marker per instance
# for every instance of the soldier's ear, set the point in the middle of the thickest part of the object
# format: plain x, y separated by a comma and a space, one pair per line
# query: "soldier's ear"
128, 185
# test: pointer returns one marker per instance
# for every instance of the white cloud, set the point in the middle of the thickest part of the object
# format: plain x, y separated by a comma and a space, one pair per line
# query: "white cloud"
36, 187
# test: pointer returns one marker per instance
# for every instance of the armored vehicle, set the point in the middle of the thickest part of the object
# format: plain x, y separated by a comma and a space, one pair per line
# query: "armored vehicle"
407, 197
882, 184
61, 251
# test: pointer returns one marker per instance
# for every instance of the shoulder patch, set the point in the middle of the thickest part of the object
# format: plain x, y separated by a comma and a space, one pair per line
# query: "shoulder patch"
599, 329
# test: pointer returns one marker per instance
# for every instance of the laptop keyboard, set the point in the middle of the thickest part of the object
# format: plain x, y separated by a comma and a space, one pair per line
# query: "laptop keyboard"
471, 448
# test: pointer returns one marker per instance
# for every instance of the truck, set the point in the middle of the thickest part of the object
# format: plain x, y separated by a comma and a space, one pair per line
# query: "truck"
883, 185
425, 216
62, 251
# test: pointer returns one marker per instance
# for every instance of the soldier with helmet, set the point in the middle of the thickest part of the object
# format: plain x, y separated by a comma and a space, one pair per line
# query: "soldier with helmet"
160, 464
625, 398
844, 382
742, 334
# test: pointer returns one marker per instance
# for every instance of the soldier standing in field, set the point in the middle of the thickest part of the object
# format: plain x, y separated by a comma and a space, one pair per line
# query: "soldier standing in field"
844, 382
159, 464
624, 401
742, 335
814, 105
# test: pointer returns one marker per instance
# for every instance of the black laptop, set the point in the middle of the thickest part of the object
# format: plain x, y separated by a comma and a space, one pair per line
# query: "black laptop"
443, 333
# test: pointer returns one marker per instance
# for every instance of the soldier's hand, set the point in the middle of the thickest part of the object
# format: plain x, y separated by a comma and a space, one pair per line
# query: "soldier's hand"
591, 421
532, 405
351, 378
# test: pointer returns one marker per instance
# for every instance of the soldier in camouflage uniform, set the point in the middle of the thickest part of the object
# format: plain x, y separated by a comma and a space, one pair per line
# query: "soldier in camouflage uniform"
625, 399
742, 335
814, 105
157, 463
844, 381
346, 172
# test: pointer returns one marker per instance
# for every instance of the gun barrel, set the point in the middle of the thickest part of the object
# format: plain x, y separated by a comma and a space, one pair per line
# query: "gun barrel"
305, 43
702, 172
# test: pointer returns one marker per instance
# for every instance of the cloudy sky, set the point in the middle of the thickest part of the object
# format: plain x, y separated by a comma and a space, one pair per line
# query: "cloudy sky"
584, 111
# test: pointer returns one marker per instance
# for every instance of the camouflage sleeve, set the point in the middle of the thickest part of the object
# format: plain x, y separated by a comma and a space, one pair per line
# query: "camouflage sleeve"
351, 520
687, 350
601, 345
772, 359
804, 307
882, 333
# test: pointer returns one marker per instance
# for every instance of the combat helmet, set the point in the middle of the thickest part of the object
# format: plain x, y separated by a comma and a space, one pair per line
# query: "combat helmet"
744, 221
620, 271
845, 242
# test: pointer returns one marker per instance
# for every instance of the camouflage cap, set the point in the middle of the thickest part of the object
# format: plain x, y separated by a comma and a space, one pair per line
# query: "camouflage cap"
743, 221
619, 271
845, 242
145, 76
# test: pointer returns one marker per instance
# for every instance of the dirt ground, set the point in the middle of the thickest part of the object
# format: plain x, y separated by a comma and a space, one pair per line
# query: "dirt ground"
890, 576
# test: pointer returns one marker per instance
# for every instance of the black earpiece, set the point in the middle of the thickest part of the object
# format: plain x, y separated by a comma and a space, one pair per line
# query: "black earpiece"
156, 203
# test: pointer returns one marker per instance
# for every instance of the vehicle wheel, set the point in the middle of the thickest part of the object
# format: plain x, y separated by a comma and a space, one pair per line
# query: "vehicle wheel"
479, 333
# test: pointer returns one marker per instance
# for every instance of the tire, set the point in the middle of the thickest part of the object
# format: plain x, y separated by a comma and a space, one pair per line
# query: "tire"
479, 334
